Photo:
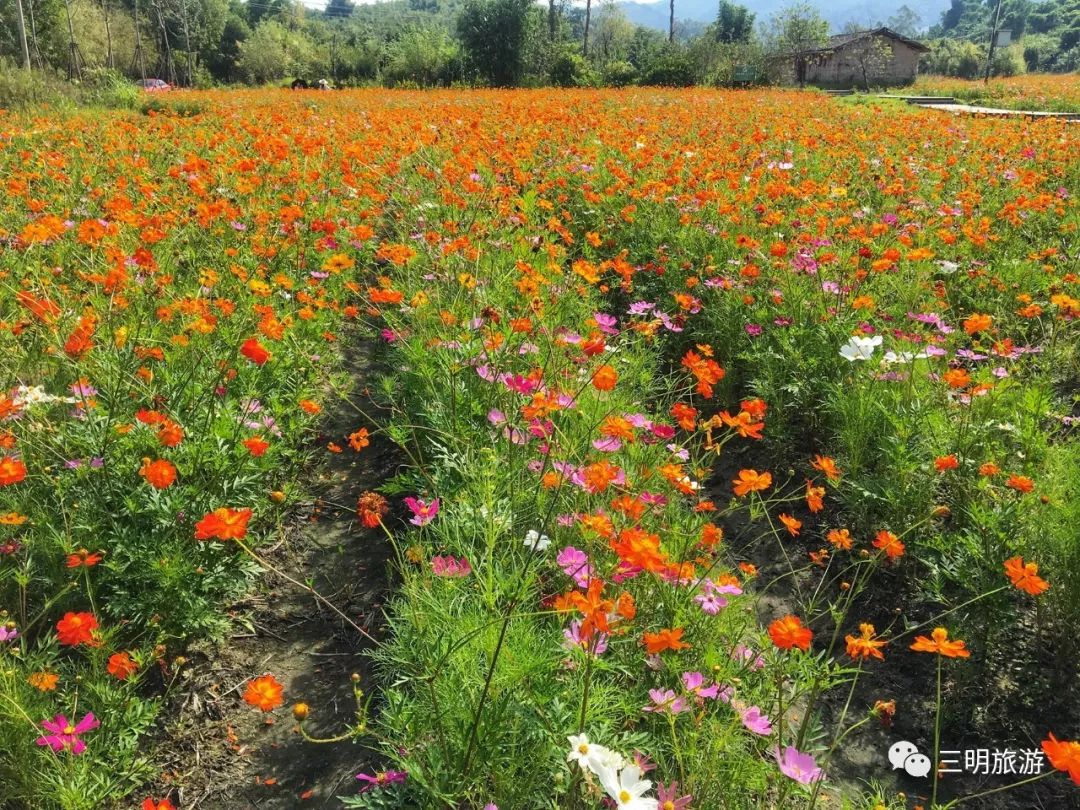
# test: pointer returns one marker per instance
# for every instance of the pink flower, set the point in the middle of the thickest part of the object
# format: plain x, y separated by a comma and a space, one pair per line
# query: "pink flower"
380, 779
423, 512
65, 736
666, 796
756, 722
694, 684
665, 700
597, 645
450, 567
575, 564
798, 766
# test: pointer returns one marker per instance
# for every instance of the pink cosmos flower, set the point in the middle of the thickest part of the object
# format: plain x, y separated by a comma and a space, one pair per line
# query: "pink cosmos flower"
64, 736
694, 683
8, 633
798, 766
665, 701
575, 564
757, 722
669, 798
380, 779
597, 645
423, 512
450, 567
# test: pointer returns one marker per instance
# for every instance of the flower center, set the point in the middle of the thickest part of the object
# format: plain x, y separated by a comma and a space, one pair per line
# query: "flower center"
69, 729
624, 797
668, 805
583, 748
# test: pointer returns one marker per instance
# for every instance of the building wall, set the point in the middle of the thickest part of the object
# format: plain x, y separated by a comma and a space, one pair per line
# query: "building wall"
895, 63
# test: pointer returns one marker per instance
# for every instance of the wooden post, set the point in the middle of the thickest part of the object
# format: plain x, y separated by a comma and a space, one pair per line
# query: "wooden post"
993, 42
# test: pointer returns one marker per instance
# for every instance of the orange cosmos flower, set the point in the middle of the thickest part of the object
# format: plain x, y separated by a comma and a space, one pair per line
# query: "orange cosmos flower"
864, 645
815, 497
310, 406
1064, 756
599, 476
788, 632
264, 693
793, 526
707, 372
121, 666
371, 507
151, 803
43, 681
256, 445
1021, 483
605, 378
666, 639
12, 471
840, 539
83, 558
159, 474
976, 323
957, 378
890, 544
939, 643
223, 524
77, 628
1025, 576
254, 351
685, 415
751, 481
170, 434
359, 439
946, 463
12, 519
989, 469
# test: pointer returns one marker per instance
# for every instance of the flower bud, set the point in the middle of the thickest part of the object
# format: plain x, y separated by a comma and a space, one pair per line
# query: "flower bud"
300, 711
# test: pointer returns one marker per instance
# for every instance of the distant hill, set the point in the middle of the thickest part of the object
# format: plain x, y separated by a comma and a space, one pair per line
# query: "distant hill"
864, 12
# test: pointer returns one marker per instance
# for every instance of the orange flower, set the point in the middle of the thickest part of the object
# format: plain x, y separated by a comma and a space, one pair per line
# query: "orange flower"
599, 476
976, 323
793, 525
940, 644
256, 445
685, 415
160, 474
12, 519
121, 666
815, 497
708, 372
151, 803
989, 469
43, 681
665, 640
371, 506
1025, 576
359, 439
945, 463
1021, 483
864, 645
223, 524
82, 557
956, 378
77, 628
310, 406
1064, 756
840, 539
12, 471
254, 351
264, 693
789, 632
890, 544
711, 534
751, 481
605, 378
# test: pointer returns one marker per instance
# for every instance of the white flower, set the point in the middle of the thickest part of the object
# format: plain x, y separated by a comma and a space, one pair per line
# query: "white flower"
591, 757
628, 789
904, 357
860, 348
536, 541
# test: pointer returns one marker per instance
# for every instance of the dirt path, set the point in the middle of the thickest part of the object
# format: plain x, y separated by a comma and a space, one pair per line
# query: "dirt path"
219, 753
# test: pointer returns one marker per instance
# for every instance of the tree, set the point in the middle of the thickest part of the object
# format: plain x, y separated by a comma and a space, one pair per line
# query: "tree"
905, 22
734, 23
493, 36
796, 27
339, 9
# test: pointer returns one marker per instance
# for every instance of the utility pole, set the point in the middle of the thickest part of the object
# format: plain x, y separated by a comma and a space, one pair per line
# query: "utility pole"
22, 35
993, 42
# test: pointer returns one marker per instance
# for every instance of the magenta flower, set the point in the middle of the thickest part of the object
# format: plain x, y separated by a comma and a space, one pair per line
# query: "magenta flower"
575, 564
380, 779
798, 766
8, 633
450, 567
757, 722
665, 701
669, 798
64, 735
694, 682
423, 512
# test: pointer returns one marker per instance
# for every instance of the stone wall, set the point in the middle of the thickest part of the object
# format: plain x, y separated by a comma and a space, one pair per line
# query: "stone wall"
887, 62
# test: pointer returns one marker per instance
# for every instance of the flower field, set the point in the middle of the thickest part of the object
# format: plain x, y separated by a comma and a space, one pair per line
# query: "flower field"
739, 435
